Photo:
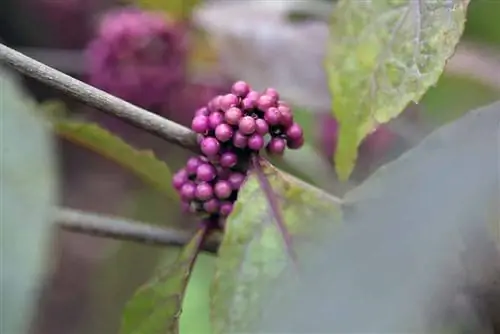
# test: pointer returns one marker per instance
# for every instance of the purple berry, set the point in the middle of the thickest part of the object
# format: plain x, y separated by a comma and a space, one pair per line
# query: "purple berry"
261, 127
240, 140
205, 172
192, 165
233, 116
247, 104
295, 144
202, 112
214, 104
223, 132
223, 189
236, 179
215, 119
200, 124
229, 101
272, 116
255, 142
226, 208
276, 146
211, 206
185, 206
204, 191
294, 132
265, 102
253, 95
210, 146
247, 125
240, 88
223, 173
286, 116
188, 191
228, 160
179, 179
273, 93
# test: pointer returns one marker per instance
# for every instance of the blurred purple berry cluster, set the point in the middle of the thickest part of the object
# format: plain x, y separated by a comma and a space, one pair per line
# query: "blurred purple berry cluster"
230, 129
137, 56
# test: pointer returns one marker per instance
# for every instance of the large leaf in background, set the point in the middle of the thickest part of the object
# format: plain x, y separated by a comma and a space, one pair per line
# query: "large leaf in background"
275, 220
177, 9
415, 234
28, 193
382, 55
156, 306
142, 163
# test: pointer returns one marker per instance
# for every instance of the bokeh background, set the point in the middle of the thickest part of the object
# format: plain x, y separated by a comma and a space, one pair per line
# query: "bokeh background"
197, 50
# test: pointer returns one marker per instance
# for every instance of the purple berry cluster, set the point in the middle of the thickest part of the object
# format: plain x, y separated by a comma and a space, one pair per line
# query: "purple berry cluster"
230, 129
137, 56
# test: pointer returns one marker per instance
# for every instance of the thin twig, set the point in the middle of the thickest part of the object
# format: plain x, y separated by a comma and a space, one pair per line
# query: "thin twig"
168, 130
125, 229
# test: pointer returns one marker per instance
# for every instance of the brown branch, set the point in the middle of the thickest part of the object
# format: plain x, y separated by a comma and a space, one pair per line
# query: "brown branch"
128, 230
141, 118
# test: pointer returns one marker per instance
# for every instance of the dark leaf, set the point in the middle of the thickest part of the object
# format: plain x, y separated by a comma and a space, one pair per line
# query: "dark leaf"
156, 307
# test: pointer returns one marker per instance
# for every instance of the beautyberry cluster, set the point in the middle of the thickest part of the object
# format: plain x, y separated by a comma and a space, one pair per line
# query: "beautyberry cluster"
231, 128
137, 56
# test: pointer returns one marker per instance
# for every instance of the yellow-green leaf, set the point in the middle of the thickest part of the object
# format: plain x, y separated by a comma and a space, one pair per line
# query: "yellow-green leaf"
383, 54
275, 219
144, 164
177, 9
156, 307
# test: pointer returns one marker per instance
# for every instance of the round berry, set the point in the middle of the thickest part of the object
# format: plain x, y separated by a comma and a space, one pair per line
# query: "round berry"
188, 191
215, 104
204, 191
226, 208
255, 142
223, 173
247, 104
273, 93
253, 95
202, 112
205, 172
192, 165
272, 116
229, 101
211, 206
216, 118
228, 160
236, 179
286, 116
200, 124
294, 132
240, 140
261, 127
223, 132
265, 102
210, 146
223, 189
233, 116
247, 125
295, 144
240, 88
276, 146
179, 179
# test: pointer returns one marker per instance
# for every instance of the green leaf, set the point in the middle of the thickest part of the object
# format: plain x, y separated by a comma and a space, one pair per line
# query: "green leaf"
177, 9
144, 164
275, 220
382, 55
156, 307
27, 194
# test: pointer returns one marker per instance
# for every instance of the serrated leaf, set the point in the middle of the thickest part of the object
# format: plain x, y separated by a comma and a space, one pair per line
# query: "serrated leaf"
177, 9
275, 219
382, 55
156, 307
144, 164
28, 191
